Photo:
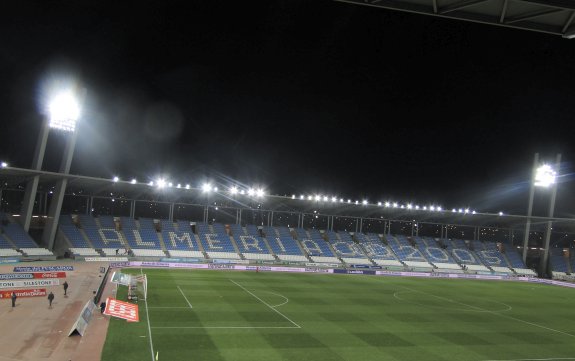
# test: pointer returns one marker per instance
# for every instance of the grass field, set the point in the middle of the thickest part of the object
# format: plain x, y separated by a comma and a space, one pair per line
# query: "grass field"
230, 315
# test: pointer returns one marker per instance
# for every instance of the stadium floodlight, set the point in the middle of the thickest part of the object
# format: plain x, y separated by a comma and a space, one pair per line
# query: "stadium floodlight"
215, 189
454, 210
364, 202
116, 179
439, 209
206, 187
3, 164
309, 198
387, 204
341, 200
334, 199
302, 197
349, 201
259, 193
325, 198
395, 205
402, 206
409, 206
242, 192
251, 192
356, 202
179, 185
161, 183
170, 184
500, 213
64, 111
151, 184
432, 208
234, 190
187, 186
460, 210
424, 208
545, 176
473, 212
317, 197
133, 181
379, 204
466, 210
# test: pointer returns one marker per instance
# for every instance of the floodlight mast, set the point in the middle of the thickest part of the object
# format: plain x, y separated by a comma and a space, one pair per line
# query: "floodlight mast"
63, 113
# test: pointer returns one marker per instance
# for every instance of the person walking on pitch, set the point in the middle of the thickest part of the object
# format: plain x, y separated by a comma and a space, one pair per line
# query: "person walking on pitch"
50, 298
65, 287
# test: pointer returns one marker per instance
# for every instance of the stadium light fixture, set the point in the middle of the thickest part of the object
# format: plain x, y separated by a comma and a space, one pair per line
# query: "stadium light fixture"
349, 201
356, 202
439, 209
453, 210
259, 192
387, 204
460, 210
251, 192
473, 212
317, 197
409, 206
161, 183
424, 208
466, 210
545, 176
187, 186
133, 181
151, 184
395, 205
432, 208
302, 197
116, 179
242, 192
234, 190
179, 185
379, 204
206, 187
309, 198
170, 184
333, 199
341, 200
3, 164
64, 111
325, 198
500, 213
364, 202
402, 206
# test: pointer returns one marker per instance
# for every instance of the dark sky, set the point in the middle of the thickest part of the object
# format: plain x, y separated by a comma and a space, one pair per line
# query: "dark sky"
297, 96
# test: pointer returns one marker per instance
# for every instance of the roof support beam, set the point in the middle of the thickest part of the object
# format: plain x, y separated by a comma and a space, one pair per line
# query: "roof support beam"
568, 23
435, 6
558, 4
503, 11
533, 15
459, 5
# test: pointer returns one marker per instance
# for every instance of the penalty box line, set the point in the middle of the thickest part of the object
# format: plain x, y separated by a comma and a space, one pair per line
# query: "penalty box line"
265, 303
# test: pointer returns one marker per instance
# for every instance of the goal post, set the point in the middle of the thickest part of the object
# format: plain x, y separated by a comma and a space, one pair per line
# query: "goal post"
141, 286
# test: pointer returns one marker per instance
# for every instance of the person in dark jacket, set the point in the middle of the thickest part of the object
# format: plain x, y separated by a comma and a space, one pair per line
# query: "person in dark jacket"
13, 297
50, 298
65, 287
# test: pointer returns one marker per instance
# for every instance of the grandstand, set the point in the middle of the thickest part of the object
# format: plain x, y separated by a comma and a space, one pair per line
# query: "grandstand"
186, 225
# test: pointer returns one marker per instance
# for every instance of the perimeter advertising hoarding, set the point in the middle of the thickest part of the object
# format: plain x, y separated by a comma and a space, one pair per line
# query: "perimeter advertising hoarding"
106, 259
43, 269
36, 292
29, 276
125, 310
9, 260
30, 283
82, 321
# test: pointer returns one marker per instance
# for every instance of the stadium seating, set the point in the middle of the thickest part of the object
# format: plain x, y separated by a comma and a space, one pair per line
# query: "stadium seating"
216, 244
91, 252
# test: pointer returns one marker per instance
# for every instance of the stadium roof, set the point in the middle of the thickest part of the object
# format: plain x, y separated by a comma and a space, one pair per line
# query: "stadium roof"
16, 178
548, 16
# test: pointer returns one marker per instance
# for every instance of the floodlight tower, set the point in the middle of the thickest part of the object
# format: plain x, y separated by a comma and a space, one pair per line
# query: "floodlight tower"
543, 176
63, 112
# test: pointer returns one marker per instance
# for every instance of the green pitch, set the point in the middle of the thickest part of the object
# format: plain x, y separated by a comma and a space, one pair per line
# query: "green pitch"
246, 316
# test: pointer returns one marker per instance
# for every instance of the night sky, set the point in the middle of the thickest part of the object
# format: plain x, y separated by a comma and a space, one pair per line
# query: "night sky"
300, 97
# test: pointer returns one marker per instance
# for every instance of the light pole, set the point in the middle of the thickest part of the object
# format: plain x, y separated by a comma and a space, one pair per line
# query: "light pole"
63, 112
543, 176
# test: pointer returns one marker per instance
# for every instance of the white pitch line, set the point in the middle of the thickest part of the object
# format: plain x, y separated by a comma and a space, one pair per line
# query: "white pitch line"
148, 319
182, 292
537, 359
169, 307
497, 314
226, 327
265, 303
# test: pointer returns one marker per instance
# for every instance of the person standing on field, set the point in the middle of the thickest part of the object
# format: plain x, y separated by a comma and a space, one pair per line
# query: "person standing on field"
13, 297
65, 287
50, 298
